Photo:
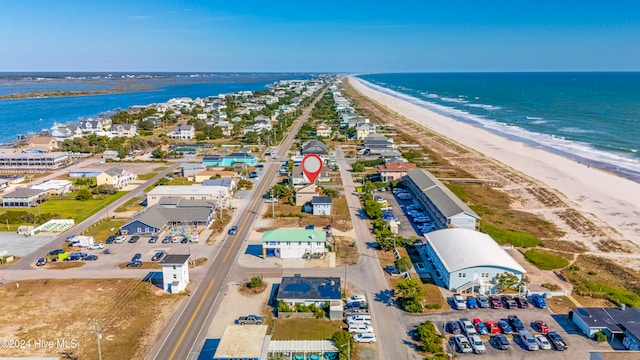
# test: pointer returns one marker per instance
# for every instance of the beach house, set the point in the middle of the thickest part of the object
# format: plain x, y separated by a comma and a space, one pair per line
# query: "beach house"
293, 243
116, 177
183, 132
175, 273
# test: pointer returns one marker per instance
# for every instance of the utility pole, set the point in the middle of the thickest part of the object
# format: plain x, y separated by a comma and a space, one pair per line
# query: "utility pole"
273, 206
98, 330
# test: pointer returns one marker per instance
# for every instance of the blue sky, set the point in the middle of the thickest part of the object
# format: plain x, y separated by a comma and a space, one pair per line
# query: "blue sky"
333, 36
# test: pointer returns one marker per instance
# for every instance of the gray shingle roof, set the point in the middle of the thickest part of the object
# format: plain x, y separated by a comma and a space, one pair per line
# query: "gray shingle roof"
321, 200
445, 200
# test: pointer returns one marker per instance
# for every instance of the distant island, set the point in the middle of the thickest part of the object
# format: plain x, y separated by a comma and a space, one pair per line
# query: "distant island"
65, 93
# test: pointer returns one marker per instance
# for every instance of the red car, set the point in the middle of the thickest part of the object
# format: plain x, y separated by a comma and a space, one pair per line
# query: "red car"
542, 327
492, 327
496, 303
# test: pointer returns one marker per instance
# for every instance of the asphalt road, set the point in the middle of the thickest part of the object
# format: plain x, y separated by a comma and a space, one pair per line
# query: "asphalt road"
185, 331
24, 263
369, 277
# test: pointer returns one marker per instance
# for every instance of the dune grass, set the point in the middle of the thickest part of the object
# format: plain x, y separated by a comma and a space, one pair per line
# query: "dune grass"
545, 260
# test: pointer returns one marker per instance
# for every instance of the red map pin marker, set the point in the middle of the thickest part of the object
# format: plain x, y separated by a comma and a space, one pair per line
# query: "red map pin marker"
311, 166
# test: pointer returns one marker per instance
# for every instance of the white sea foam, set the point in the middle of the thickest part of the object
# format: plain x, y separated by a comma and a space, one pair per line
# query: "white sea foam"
483, 106
558, 143
453, 100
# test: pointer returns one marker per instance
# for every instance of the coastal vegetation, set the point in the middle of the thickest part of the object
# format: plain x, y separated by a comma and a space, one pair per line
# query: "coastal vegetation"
62, 93
545, 260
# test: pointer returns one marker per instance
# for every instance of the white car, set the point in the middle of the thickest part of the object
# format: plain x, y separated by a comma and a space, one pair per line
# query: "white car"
356, 298
477, 344
365, 338
357, 328
467, 327
542, 342
120, 239
365, 319
462, 343
96, 246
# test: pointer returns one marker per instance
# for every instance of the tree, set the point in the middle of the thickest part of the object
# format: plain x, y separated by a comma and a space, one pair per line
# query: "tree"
340, 339
158, 153
403, 264
147, 125
508, 281
357, 167
409, 288
84, 195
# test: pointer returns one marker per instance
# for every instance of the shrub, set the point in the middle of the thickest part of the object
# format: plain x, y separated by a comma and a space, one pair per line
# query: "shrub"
600, 336
255, 282
403, 264
433, 306
283, 306
411, 305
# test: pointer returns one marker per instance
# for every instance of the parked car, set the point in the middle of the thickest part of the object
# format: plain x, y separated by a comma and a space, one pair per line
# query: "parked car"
134, 239
500, 341
477, 345
481, 328
233, 230
365, 319
153, 239
41, 261
462, 344
250, 319
453, 327
471, 302
557, 341
528, 340
136, 256
539, 301
120, 239
365, 338
134, 263
392, 270
515, 322
355, 311
110, 239
90, 258
467, 327
184, 240
459, 302
542, 342
495, 302
176, 239
521, 301
492, 327
356, 299
96, 246
159, 255
357, 328
73, 257
166, 239
483, 302
508, 301
56, 252
505, 327
541, 326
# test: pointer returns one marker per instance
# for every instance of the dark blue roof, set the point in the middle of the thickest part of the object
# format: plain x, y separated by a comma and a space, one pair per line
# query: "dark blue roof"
310, 288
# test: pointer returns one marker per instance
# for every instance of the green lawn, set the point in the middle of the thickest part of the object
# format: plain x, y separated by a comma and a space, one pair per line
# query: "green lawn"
147, 176
71, 208
101, 230
305, 329
515, 238
545, 260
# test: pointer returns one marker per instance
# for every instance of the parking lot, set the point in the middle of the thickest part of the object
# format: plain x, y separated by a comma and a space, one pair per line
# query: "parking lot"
578, 345
113, 255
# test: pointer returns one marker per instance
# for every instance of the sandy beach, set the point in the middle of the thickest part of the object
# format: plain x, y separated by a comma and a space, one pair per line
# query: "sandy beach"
609, 201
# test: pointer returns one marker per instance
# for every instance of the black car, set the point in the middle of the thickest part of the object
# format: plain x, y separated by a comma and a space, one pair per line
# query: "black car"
453, 327
73, 257
41, 261
184, 240
233, 230
253, 175
166, 239
110, 239
91, 257
509, 303
521, 301
515, 322
134, 263
134, 239
56, 252
158, 256
500, 341
556, 340
137, 256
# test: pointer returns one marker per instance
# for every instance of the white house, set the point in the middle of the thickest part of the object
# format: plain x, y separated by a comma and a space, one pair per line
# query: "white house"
321, 205
183, 132
175, 273
293, 243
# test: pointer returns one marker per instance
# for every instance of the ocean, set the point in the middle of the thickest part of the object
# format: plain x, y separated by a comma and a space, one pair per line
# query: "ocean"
593, 118
27, 116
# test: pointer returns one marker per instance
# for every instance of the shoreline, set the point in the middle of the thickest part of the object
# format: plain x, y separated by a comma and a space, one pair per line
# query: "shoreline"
612, 199
66, 93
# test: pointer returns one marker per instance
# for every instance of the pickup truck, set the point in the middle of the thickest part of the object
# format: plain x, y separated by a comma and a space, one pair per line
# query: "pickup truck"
249, 319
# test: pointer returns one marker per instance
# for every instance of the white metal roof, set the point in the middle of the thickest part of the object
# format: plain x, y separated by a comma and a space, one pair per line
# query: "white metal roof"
462, 249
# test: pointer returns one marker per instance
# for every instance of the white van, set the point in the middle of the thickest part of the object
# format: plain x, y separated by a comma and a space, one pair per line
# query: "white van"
365, 319
357, 328
459, 302
365, 338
